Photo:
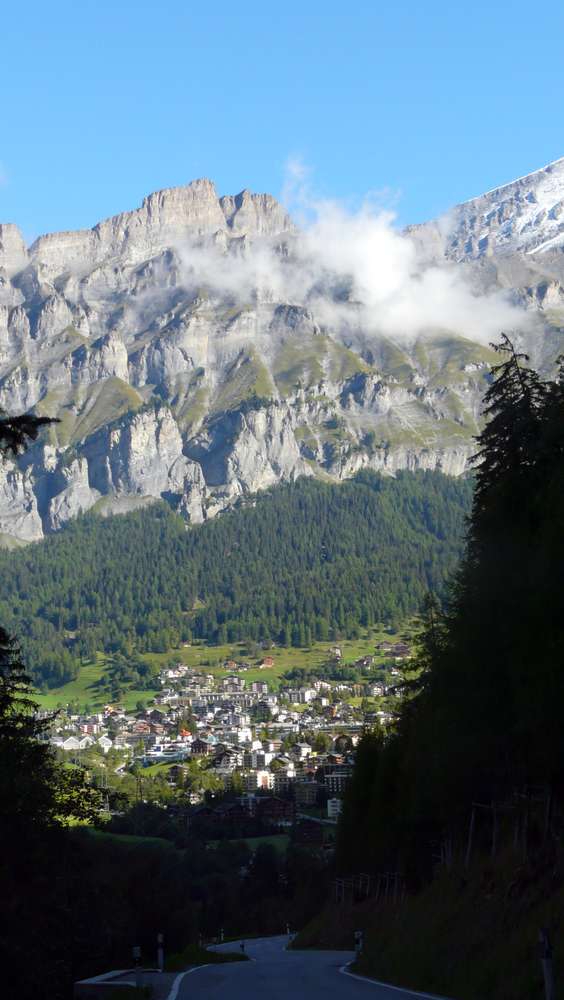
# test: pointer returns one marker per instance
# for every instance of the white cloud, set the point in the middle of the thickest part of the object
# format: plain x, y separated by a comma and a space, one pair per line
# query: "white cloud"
355, 271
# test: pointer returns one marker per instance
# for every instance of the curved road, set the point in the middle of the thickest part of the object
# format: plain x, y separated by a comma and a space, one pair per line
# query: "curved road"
277, 974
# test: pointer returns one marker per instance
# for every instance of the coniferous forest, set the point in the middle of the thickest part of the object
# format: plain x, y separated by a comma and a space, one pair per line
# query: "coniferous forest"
484, 722
303, 562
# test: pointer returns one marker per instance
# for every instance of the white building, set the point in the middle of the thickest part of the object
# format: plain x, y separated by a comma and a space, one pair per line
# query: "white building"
258, 779
334, 808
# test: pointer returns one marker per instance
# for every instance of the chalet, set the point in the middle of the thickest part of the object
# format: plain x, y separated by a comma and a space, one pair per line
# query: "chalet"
228, 759
176, 773
200, 747
231, 812
365, 663
266, 663
384, 647
400, 650
274, 810
301, 750
375, 690
141, 728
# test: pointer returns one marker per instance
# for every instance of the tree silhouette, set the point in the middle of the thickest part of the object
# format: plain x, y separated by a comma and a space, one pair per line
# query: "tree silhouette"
486, 715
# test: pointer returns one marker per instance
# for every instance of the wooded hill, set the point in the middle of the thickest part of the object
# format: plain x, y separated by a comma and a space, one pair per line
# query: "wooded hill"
303, 562
463, 799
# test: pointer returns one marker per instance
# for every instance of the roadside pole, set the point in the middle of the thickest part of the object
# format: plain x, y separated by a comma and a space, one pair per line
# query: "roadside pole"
160, 952
545, 949
136, 950
358, 943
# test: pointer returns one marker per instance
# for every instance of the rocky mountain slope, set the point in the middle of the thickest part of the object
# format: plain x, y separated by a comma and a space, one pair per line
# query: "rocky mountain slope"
187, 357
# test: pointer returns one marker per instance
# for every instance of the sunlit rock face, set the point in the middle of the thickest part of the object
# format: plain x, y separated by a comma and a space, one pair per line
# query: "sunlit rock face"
195, 350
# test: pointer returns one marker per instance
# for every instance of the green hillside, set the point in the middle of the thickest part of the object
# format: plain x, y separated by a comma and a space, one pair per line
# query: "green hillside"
303, 563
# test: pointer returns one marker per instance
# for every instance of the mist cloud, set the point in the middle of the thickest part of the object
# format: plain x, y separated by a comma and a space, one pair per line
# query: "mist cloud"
355, 271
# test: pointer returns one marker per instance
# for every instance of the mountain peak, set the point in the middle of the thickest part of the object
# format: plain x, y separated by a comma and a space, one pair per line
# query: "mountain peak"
525, 216
13, 253
533, 178
165, 218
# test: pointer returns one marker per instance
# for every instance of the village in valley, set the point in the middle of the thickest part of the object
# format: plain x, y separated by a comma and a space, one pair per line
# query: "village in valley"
239, 746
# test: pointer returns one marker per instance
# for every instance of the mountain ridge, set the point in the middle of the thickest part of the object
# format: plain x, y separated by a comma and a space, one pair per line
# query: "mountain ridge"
516, 217
199, 348
170, 214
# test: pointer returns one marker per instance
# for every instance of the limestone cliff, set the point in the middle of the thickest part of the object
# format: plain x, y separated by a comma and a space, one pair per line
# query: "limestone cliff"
182, 363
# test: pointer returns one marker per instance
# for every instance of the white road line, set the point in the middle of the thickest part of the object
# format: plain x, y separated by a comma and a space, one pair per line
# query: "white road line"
344, 970
105, 975
176, 984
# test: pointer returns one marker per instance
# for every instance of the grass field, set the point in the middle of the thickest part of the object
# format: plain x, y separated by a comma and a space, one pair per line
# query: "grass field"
154, 770
129, 838
212, 658
84, 689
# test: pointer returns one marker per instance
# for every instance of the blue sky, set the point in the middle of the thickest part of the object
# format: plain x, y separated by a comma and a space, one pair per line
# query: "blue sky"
430, 102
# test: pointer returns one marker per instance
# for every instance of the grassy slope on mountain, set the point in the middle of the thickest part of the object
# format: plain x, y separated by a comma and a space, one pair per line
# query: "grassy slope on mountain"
88, 689
83, 411
91, 685
300, 363
468, 935
303, 562
247, 377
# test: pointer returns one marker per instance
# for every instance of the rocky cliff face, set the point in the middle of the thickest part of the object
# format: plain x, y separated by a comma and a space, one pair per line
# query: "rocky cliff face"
525, 216
180, 365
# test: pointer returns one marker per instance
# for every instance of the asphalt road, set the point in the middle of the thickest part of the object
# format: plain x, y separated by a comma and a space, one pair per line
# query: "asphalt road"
277, 974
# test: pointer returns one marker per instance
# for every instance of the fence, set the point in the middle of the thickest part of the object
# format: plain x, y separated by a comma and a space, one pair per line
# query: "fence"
387, 887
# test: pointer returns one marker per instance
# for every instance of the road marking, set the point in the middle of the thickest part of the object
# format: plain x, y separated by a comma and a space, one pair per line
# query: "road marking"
176, 984
106, 975
344, 970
